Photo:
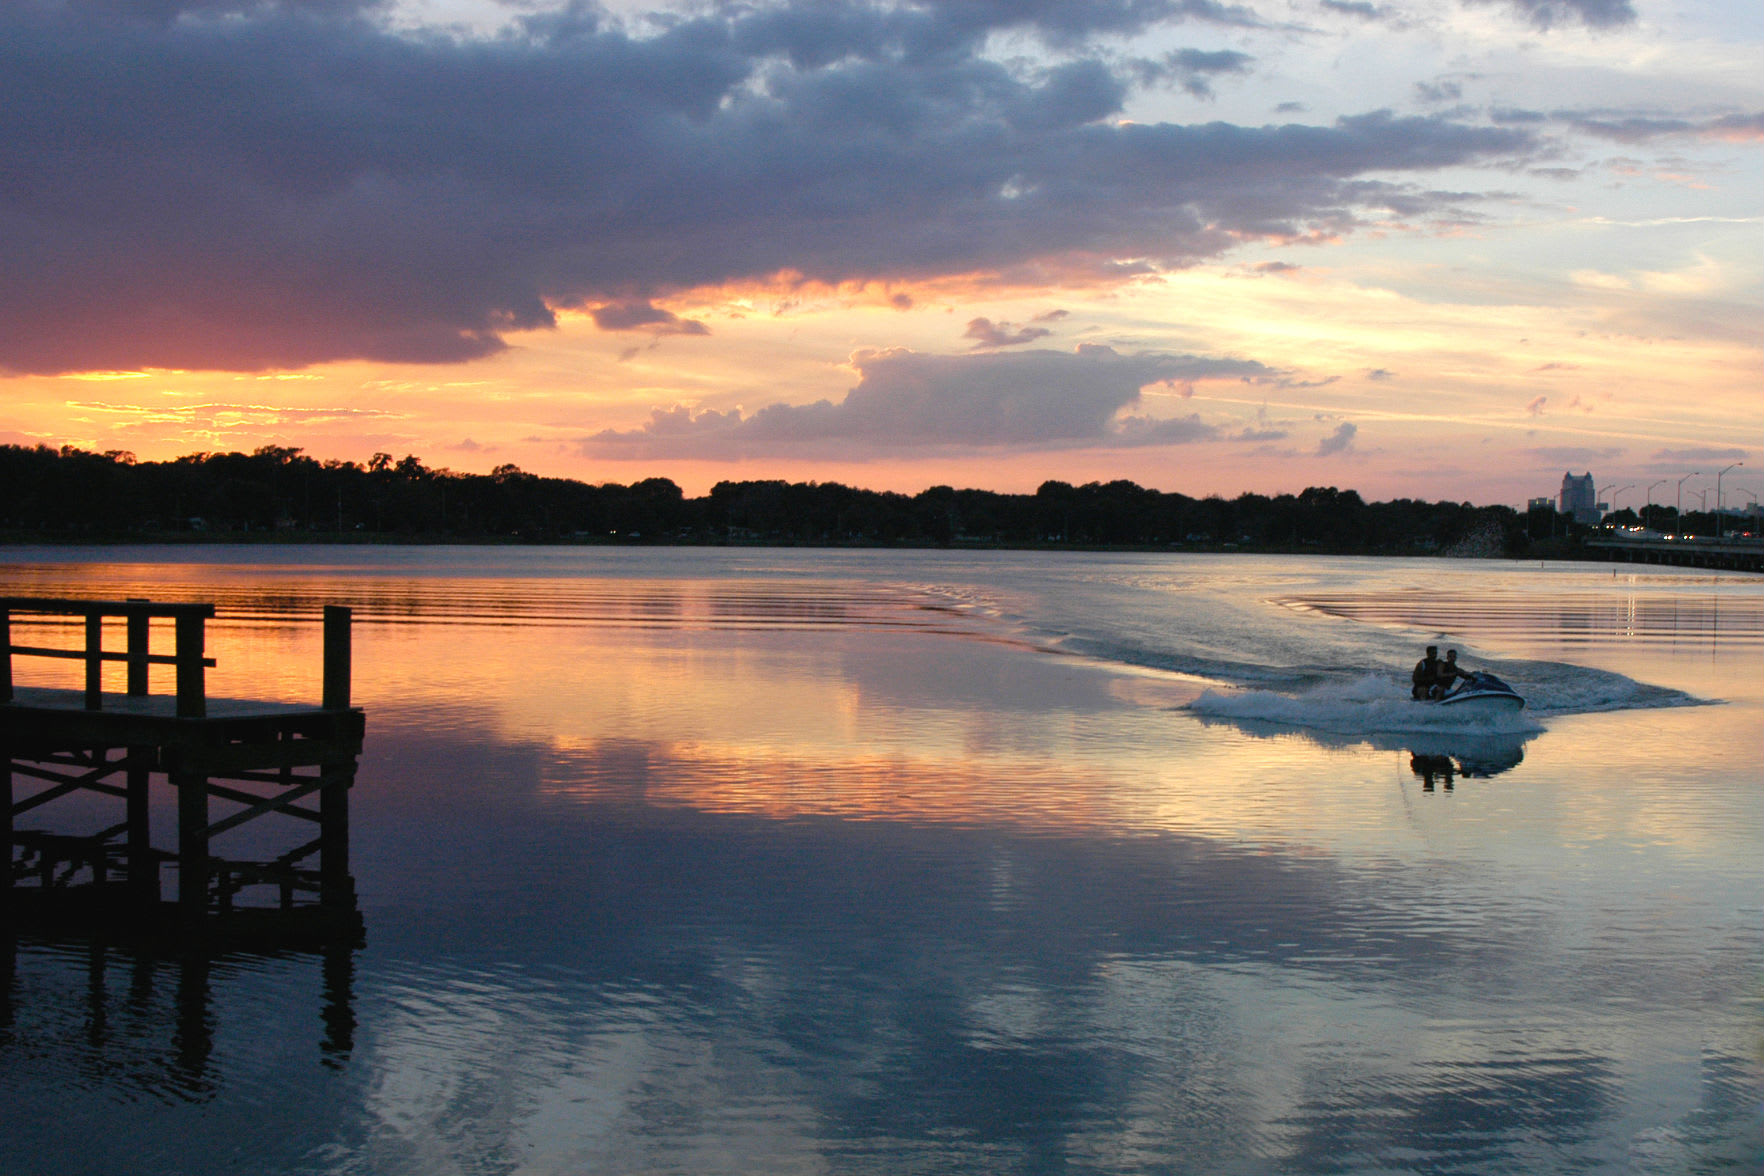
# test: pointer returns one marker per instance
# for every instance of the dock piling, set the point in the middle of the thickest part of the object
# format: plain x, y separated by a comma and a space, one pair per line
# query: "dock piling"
139, 637
338, 657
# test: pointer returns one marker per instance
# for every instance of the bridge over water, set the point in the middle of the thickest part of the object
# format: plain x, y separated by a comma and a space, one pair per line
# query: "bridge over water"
1743, 555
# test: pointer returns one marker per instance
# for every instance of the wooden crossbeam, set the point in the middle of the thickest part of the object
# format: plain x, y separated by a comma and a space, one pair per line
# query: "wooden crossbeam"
158, 659
282, 803
238, 761
42, 798
282, 777
63, 785
39, 840
300, 851
92, 762
248, 799
239, 794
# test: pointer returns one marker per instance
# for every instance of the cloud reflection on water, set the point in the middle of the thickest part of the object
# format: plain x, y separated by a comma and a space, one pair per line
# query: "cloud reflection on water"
1001, 994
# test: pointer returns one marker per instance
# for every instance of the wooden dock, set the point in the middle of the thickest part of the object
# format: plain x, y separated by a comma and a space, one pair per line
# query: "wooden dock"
227, 761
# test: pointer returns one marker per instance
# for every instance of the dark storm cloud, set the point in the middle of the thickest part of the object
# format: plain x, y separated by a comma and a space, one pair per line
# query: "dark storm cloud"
263, 185
906, 400
1192, 69
642, 316
1594, 14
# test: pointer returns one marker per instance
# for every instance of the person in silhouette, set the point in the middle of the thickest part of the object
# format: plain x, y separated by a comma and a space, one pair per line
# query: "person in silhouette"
1426, 674
1432, 769
1447, 674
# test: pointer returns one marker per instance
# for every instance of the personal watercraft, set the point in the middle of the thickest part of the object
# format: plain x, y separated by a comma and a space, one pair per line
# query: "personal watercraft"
1482, 692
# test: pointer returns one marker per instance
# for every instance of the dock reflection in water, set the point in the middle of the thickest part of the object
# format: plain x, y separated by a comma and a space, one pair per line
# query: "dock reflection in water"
127, 1022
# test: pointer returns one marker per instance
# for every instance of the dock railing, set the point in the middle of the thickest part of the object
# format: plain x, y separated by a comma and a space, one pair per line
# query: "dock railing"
189, 622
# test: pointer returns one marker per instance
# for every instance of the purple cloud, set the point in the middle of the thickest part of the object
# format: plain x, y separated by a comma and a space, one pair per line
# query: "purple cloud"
242, 185
907, 401
988, 334
1340, 441
642, 316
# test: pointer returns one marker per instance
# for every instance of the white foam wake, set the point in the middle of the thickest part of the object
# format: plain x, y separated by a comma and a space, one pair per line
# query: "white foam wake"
1366, 705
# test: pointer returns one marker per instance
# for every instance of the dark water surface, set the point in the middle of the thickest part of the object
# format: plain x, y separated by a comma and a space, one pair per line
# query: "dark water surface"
776, 862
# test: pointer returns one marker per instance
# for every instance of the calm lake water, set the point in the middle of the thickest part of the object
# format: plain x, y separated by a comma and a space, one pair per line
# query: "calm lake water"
703, 861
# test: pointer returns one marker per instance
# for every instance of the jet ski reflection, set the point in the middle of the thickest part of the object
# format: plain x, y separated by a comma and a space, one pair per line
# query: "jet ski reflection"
1444, 758
1471, 753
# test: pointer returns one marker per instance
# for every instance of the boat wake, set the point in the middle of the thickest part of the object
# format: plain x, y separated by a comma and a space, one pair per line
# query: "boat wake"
1372, 704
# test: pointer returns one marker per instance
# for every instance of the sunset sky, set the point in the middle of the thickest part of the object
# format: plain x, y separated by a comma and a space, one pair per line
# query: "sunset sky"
1421, 248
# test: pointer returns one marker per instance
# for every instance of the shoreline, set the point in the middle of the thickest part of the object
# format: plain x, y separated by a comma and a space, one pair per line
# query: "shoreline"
1558, 551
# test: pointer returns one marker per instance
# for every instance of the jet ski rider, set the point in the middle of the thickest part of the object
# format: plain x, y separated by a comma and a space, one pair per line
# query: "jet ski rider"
1426, 673
1432, 677
1449, 673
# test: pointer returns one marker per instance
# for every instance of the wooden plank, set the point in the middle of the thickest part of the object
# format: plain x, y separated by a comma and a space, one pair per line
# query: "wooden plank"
73, 606
238, 759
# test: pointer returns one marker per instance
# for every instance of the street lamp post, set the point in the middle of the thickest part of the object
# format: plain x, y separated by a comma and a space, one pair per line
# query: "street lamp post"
1680, 507
1649, 506
1618, 491
1718, 474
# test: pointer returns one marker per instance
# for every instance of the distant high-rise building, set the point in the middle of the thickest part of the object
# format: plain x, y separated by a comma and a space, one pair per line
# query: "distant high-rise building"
1579, 498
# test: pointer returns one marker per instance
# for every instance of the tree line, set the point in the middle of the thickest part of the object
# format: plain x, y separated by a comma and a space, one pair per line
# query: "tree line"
276, 491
